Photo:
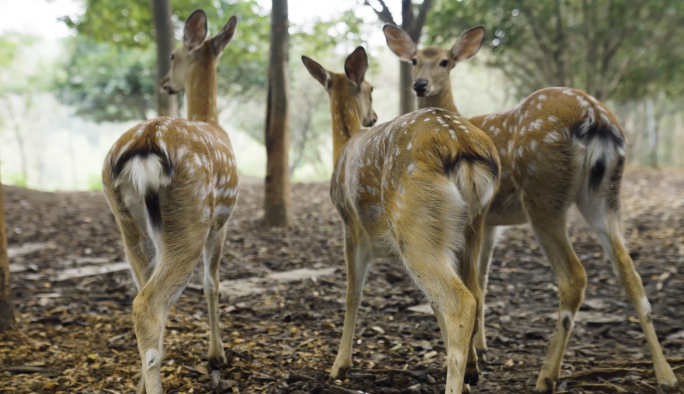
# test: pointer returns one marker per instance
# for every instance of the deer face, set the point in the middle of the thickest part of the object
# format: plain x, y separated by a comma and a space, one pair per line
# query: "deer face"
432, 65
349, 89
196, 49
361, 95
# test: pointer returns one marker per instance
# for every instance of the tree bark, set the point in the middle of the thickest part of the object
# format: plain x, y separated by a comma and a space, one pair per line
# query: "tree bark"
7, 320
277, 202
167, 105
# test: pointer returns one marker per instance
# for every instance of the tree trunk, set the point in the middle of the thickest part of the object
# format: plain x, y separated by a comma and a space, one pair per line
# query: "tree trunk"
407, 100
277, 202
167, 105
7, 320
652, 133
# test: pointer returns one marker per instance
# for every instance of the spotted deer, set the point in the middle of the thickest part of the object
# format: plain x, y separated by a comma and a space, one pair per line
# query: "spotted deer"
172, 185
558, 147
417, 189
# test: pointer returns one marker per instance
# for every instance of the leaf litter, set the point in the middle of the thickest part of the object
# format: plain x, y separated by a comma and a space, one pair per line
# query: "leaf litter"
282, 334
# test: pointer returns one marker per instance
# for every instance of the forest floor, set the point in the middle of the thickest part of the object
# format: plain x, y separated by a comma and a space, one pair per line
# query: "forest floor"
282, 304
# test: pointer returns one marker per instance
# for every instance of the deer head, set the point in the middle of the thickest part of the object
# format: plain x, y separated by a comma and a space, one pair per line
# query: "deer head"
432, 65
350, 88
196, 50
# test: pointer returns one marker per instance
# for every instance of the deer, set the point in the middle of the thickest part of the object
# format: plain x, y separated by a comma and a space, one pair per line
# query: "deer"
558, 147
172, 186
415, 189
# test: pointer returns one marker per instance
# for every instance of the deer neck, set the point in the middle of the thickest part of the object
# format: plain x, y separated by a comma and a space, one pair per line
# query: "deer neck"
443, 100
201, 93
345, 120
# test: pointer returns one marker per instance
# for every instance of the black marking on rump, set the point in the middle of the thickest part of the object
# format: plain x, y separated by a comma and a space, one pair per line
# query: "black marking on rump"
450, 163
142, 148
153, 209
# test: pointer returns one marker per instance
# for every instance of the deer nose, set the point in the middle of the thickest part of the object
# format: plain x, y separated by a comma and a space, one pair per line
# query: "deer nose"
420, 86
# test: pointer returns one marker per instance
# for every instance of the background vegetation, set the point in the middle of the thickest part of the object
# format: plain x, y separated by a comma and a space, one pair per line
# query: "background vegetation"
64, 101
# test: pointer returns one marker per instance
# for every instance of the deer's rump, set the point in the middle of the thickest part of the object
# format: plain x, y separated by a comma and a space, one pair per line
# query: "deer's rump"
399, 168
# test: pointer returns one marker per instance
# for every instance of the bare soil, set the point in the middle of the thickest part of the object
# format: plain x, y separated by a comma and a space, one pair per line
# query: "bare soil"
77, 332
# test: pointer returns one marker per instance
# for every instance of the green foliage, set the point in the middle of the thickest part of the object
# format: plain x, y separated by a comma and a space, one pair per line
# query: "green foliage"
107, 83
610, 48
128, 25
18, 75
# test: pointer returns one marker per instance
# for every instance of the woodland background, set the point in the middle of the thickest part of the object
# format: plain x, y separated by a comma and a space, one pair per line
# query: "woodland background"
75, 74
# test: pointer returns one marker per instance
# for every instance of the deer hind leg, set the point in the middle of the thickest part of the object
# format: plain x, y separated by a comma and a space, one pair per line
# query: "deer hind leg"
468, 259
486, 252
357, 256
212, 258
179, 245
572, 280
138, 246
434, 273
152, 305
607, 225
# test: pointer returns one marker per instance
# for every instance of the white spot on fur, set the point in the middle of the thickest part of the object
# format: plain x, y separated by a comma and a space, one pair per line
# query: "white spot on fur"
541, 97
533, 144
552, 137
123, 149
206, 215
552, 118
410, 145
410, 168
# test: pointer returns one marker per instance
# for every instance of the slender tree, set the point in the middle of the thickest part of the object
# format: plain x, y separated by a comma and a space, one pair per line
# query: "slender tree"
277, 209
161, 13
7, 320
412, 21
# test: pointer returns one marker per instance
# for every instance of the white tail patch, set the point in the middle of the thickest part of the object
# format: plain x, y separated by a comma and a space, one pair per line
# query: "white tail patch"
476, 184
144, 173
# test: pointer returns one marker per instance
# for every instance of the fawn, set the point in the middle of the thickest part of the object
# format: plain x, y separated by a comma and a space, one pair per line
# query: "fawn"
558, 147
172, 185
417, 189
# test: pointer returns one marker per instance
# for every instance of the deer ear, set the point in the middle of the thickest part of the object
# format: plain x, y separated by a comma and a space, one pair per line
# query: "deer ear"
468, 44
318, 72
356, 65
400, 42
221, 40
195, 30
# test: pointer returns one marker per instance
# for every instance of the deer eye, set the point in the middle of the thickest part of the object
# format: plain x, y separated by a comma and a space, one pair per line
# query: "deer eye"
444, 63
414, 61
172, 56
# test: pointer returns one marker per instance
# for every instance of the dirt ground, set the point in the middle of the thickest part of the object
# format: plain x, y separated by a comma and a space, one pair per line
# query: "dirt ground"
78, 331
